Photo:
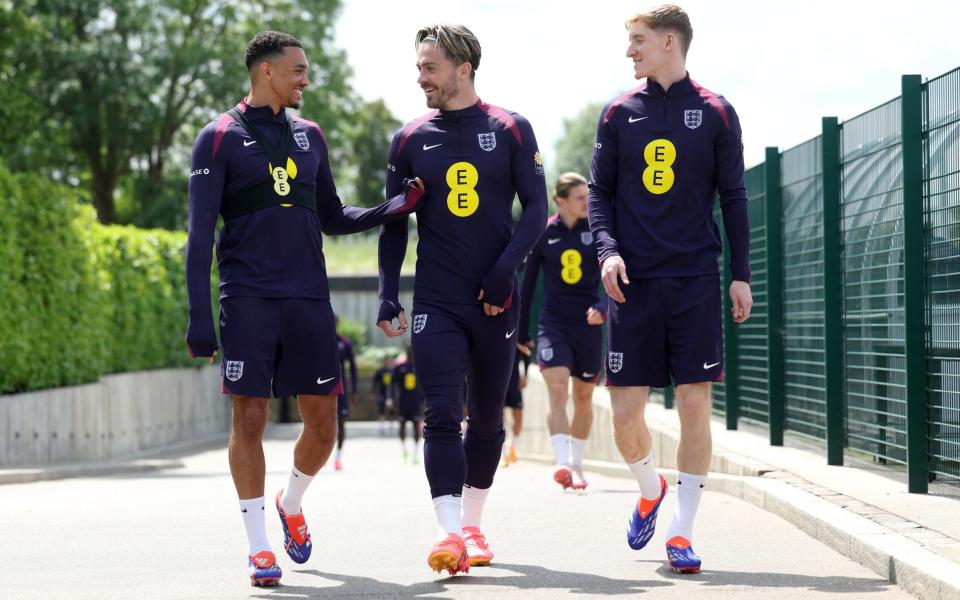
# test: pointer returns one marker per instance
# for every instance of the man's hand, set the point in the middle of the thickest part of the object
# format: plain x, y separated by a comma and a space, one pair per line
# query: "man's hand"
612, 268
387, 326
742, 301
521, 382
525, 349
489, 309
594, 316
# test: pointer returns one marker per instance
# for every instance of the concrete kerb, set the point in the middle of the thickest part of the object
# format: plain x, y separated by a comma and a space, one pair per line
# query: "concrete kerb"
890, 555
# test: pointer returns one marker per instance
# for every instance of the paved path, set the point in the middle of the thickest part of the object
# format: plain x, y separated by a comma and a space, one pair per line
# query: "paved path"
177, 534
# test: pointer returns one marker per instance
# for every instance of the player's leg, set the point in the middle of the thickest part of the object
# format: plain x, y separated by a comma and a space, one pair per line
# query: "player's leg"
492, 349
555, 358
696, 359
307, 366
343, 412
516, 411
249, 334
416, 425
587, 357
402, 430
441, 354
636, 360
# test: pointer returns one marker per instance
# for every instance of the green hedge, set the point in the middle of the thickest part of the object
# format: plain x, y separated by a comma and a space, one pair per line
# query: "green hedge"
77, 299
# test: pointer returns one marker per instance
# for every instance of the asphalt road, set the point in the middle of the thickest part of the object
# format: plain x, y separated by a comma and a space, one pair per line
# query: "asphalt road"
178, 534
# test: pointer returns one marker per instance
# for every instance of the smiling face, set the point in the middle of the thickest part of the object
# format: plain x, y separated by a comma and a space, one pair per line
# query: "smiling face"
286, 76
652, 52
440, 80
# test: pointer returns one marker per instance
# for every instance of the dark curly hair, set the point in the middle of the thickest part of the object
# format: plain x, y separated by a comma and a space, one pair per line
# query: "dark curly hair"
268, 44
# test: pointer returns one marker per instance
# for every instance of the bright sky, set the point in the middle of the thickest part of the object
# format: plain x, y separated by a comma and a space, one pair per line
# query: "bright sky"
783, 65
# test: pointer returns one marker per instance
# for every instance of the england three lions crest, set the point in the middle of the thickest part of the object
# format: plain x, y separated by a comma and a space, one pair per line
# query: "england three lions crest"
233, 370
300, 137
419, 322
615, 362
692, 118
586, 238
488, 141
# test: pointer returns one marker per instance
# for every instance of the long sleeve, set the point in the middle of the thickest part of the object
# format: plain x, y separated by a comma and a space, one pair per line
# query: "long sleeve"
603, 188
339, 219
528, 288
207, 177
528, 180
728, 155
392, 244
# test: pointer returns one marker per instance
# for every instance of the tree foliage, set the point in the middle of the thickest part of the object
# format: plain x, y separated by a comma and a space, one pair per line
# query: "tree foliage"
119, 88
575, 147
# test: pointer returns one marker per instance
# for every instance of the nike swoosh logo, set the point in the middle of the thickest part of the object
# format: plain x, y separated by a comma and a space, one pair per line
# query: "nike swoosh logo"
426, 147
632, 120
510, 335
710, 366
248, 142
322, 381
588, 374
553, 241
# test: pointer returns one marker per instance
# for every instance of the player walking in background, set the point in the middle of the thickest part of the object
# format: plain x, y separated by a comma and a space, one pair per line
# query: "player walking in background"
570, 326
347, 396
409, 405
383, 392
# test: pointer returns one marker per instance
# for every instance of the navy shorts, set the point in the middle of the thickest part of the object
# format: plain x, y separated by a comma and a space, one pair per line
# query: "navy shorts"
576, 347
410, 409
283, 346
668, 329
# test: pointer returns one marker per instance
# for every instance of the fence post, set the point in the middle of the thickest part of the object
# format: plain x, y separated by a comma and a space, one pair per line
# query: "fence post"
731, 363
775, 327
832, 291
918, 467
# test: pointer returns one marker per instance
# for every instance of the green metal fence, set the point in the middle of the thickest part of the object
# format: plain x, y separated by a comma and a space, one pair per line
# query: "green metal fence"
752, 335
942, 318
805, 373
855, 253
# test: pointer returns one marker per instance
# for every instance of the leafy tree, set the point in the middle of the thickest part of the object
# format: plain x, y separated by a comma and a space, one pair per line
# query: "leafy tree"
127, 82
373, 127
575, 147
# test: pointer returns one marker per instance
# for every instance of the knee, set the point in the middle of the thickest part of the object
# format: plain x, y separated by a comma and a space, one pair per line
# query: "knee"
249, 420
625, 416
323, 431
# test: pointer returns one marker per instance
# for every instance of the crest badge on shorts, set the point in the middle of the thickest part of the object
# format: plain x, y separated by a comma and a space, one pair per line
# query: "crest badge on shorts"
300, 137
233, 370
419, 322
586, 238
488, 141
615, 361
546, 354
692, 118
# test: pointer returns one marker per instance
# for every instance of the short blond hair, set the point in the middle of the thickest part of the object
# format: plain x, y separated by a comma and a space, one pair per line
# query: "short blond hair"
566, 182
667, 17
458, 43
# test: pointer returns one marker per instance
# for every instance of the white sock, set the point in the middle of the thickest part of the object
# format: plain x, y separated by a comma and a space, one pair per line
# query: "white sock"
561, 448
647, 477
576, 451
473, 500
515, 442
293, 493
689, 491
448, 514
252, 512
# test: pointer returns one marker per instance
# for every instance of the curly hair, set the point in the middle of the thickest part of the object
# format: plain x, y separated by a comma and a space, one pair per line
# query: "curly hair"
268, 44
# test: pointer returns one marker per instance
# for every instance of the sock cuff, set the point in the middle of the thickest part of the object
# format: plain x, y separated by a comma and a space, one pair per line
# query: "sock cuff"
690, 477
252, 503
474, 493
560, 436
300, 474
648, 459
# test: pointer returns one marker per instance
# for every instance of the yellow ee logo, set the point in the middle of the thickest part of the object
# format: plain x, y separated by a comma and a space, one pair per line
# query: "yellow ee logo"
660, 156
387, 379
570, 270
410, 382
463, 200
280, 175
